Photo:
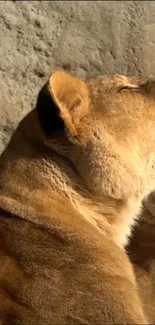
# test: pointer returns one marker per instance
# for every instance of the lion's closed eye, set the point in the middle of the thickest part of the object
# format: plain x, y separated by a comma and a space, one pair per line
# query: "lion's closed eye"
129, 87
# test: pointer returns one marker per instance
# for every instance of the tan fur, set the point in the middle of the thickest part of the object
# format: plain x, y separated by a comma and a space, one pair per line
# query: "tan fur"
69, 201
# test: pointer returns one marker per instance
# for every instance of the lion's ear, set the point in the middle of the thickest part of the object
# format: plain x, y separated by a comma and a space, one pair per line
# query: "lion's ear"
71, 97
63, 102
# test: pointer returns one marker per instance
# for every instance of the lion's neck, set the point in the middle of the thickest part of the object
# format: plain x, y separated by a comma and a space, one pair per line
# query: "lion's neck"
29, 182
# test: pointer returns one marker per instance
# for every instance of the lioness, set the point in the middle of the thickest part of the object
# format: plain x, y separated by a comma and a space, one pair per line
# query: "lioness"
71, 183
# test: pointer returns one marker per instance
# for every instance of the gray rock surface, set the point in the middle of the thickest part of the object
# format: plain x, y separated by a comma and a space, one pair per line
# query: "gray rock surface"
84, 37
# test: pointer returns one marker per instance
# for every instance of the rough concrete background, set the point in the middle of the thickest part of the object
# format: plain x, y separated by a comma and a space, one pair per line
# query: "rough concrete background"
84, 37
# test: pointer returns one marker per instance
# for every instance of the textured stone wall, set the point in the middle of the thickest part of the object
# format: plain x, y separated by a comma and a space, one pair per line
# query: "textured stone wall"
87, 38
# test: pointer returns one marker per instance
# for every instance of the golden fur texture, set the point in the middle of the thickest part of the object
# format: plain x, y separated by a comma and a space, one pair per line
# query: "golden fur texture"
71, 184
